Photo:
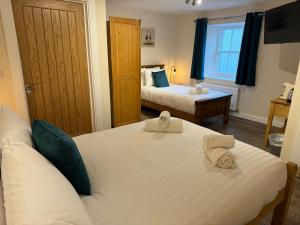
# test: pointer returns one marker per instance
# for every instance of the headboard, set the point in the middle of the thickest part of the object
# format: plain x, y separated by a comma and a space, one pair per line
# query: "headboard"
152, 66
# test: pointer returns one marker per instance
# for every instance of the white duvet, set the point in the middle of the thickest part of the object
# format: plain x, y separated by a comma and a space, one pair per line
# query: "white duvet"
177, 96
141, 178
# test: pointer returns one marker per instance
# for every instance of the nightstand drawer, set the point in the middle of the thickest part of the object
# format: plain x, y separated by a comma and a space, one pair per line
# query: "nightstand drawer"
281, 110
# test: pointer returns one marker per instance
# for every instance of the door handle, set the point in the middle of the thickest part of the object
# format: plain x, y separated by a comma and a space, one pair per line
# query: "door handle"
29, 88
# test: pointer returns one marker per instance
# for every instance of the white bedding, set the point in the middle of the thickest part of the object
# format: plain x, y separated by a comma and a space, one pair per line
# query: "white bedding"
141, 178
177, 96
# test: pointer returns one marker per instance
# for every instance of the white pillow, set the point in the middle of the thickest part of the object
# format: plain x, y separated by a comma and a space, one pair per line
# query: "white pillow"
35, 192
148, 75
11, 125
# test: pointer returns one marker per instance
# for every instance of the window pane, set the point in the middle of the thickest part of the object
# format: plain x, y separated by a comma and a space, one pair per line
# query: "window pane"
223, 50
233, 60
223, 62
237, 37
226, 41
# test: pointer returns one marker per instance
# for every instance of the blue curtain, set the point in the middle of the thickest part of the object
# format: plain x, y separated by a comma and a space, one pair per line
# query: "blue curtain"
246, 72
197, 71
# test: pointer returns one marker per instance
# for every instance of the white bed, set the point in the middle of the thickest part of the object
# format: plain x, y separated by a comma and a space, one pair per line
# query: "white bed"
141, 178
177, 96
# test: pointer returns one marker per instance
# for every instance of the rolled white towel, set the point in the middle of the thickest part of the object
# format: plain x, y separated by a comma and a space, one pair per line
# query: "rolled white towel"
174, 126
204, 91
218, 141
193, 91
198, 90
221, 157
164, 118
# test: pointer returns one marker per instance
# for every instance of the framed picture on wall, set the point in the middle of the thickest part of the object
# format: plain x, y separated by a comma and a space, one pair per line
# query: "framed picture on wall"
148, 37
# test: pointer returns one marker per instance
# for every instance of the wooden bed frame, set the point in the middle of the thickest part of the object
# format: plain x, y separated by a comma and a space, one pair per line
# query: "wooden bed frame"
204, 109
280, 205
220, 106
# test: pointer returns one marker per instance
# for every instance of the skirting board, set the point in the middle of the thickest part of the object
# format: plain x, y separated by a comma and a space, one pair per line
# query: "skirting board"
258, 119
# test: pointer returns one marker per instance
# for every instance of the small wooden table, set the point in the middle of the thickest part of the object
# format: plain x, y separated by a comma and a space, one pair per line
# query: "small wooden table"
279, 108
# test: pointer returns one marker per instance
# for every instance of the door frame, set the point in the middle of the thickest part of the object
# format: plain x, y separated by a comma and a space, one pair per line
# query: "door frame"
98, 74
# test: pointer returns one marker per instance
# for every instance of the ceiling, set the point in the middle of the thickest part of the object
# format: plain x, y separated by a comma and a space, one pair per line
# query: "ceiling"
179, 6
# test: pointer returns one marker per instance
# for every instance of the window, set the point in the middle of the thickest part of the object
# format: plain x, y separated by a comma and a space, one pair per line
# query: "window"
223, 50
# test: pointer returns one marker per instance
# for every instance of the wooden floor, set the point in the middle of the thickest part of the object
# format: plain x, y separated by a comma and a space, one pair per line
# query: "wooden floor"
251, 133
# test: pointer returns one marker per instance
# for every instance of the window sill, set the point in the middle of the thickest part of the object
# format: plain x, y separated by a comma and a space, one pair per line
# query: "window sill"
219, 78
229, 83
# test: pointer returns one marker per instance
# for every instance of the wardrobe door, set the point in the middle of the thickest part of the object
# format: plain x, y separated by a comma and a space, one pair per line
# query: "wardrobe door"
125, 65
52, 43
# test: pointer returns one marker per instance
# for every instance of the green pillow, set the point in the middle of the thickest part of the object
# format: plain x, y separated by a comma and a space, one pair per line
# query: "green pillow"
61, 150
160, 79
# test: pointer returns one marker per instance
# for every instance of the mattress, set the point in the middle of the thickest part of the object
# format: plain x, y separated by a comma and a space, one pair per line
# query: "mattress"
177, 96
141, 178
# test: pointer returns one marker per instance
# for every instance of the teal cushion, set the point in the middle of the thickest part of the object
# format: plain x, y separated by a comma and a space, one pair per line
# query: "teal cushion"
160, 79
62, 152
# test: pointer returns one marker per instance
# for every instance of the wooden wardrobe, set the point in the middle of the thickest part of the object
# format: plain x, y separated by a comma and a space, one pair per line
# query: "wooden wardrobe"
125, 70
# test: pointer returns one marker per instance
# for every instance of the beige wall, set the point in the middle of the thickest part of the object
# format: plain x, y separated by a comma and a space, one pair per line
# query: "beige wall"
99, 76
13, 59
99, 64
6, 91
254, 102
164, 50
291, 146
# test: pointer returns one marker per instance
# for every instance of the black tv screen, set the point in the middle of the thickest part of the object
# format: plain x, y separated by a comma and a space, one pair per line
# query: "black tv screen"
282, 24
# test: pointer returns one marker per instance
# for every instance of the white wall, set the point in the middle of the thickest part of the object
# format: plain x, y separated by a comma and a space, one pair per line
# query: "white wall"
98, 59
164, 50
291, 146
254, 101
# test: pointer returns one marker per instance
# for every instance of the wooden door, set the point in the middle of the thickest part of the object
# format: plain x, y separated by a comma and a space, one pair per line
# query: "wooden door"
125, 63
52, 43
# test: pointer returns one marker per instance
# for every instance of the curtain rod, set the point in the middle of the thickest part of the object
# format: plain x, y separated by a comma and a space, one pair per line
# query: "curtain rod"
226, 18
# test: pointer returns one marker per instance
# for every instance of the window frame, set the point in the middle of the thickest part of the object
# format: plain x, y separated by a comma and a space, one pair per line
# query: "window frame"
221, 27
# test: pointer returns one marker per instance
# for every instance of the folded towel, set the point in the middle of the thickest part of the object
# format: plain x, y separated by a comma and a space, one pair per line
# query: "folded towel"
204, 90
221, 157
198, 90
174, 126
195, 91
218, 141
164, 118
192, 91
199, 85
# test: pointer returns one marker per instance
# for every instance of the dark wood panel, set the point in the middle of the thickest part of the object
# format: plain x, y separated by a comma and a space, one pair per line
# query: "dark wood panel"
52, 67
45, 82
76, 70
61, 74
34, 61
82, 51
70, 92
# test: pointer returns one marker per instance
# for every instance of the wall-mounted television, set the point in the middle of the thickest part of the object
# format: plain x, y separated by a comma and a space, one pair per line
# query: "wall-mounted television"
282, 24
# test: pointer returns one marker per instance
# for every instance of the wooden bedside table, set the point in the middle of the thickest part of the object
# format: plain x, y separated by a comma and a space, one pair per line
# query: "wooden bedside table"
279, 108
